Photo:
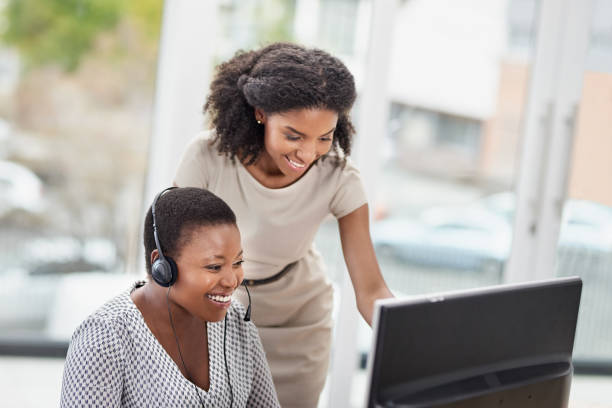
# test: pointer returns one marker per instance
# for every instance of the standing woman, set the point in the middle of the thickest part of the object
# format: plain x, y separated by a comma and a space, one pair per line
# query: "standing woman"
277, 153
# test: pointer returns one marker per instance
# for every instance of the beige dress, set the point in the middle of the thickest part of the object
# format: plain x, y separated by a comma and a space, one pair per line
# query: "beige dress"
293, 314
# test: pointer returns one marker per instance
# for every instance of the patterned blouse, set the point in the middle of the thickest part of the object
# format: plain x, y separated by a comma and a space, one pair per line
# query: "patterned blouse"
115, 361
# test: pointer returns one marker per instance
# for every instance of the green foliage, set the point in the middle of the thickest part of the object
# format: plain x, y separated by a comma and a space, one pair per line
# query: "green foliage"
63, 31
147, 14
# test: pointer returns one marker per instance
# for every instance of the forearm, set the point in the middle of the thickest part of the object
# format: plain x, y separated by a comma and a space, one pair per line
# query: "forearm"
361, 262
367, 279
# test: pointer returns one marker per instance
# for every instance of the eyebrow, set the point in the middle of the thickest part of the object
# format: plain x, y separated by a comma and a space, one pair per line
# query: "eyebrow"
222, 257
303, 134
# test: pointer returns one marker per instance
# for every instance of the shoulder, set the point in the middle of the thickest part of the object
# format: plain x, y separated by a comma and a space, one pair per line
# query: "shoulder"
203, 144
201, 164
348, 192
337, 170
107, 326
115, 310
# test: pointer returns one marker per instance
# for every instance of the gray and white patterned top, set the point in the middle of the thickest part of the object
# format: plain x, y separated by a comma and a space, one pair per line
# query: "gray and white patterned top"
114, 360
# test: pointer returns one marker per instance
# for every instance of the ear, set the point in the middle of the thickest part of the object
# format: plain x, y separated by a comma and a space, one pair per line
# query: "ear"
260, 115
154, 255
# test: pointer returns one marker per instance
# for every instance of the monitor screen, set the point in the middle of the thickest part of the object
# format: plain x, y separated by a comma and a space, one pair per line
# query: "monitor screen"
440, 348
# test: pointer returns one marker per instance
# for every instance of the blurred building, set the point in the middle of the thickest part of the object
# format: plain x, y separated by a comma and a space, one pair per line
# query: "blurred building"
458, 95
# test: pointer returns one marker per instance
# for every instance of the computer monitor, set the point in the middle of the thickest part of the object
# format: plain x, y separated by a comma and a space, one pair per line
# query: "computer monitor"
501, 346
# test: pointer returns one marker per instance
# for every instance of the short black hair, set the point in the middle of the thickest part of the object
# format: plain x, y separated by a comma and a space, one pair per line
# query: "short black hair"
279, 78
177, 213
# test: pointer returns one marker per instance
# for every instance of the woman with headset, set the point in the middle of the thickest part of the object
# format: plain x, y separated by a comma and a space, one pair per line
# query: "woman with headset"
277, 153
178, 339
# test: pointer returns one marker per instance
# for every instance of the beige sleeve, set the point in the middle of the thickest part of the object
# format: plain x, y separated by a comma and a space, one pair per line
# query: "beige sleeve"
350, 193
194, 167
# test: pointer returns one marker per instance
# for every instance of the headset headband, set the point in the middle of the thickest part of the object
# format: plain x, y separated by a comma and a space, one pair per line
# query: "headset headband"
157, 244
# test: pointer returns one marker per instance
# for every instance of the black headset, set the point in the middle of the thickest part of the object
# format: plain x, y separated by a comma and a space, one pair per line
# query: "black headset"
164, 270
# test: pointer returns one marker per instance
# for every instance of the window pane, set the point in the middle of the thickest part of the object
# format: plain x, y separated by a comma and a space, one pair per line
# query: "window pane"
76, 93
585, 240
446, 206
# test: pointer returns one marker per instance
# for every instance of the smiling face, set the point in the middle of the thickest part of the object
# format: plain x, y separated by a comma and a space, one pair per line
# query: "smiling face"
294, 140
210, 269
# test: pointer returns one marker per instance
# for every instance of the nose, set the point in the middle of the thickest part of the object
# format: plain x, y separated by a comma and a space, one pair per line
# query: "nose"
231, 278
307, 152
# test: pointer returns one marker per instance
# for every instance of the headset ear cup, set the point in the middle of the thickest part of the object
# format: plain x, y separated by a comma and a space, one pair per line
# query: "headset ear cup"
164, 271
173, 270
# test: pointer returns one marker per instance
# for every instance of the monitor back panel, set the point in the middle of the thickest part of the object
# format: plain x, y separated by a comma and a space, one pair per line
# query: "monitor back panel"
504, 336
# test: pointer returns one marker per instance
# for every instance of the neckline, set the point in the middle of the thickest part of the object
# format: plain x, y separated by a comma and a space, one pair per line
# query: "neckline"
301, 180
212, 358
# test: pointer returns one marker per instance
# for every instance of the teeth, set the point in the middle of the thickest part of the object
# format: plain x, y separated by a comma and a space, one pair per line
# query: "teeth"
295, 164
221, 299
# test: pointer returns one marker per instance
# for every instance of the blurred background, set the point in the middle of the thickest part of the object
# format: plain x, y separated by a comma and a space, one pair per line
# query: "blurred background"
483, 138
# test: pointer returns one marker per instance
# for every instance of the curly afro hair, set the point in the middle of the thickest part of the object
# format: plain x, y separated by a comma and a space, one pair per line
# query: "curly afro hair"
278, 78
178, 212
